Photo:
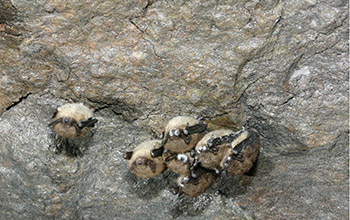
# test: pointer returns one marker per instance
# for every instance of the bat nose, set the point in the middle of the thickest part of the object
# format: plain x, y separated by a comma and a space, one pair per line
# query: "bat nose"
66, 120
141, 161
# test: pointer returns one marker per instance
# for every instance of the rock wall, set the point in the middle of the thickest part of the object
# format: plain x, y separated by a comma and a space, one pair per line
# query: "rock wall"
280, 66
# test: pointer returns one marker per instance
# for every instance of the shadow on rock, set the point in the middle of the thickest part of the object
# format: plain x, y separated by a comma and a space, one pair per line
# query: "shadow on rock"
147, 188
263, 166
71, 147
190, 206
229, 185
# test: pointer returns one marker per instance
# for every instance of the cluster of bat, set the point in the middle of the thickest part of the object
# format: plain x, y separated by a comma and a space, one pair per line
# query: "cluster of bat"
187, 148
197, 155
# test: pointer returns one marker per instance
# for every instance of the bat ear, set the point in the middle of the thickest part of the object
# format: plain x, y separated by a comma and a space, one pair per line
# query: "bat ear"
94, 109
55, 113
55, 122
157, 152
90, 122
175, 190
128, 155
198, 128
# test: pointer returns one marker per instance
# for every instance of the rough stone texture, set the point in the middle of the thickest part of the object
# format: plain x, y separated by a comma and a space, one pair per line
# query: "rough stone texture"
316, 180
280, 65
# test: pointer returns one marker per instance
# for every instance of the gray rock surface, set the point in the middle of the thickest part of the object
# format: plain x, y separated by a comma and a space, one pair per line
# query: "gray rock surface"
280, 65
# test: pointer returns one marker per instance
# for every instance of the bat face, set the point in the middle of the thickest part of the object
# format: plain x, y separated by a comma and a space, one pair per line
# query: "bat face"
182, 133
73, 120
144, 167
142, 163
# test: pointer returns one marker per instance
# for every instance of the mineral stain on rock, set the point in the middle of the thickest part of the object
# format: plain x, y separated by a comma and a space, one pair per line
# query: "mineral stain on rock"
281, 65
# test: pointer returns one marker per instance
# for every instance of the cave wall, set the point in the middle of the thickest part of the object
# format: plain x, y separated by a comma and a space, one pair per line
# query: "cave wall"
282, 67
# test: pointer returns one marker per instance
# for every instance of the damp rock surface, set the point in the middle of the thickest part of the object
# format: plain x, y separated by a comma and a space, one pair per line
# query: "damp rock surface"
280, 67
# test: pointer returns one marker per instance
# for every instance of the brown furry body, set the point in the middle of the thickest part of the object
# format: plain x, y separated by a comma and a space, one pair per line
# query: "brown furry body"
177, 144
142, 164
196, 187
207, 158
75, 111
250, 154
178, 166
